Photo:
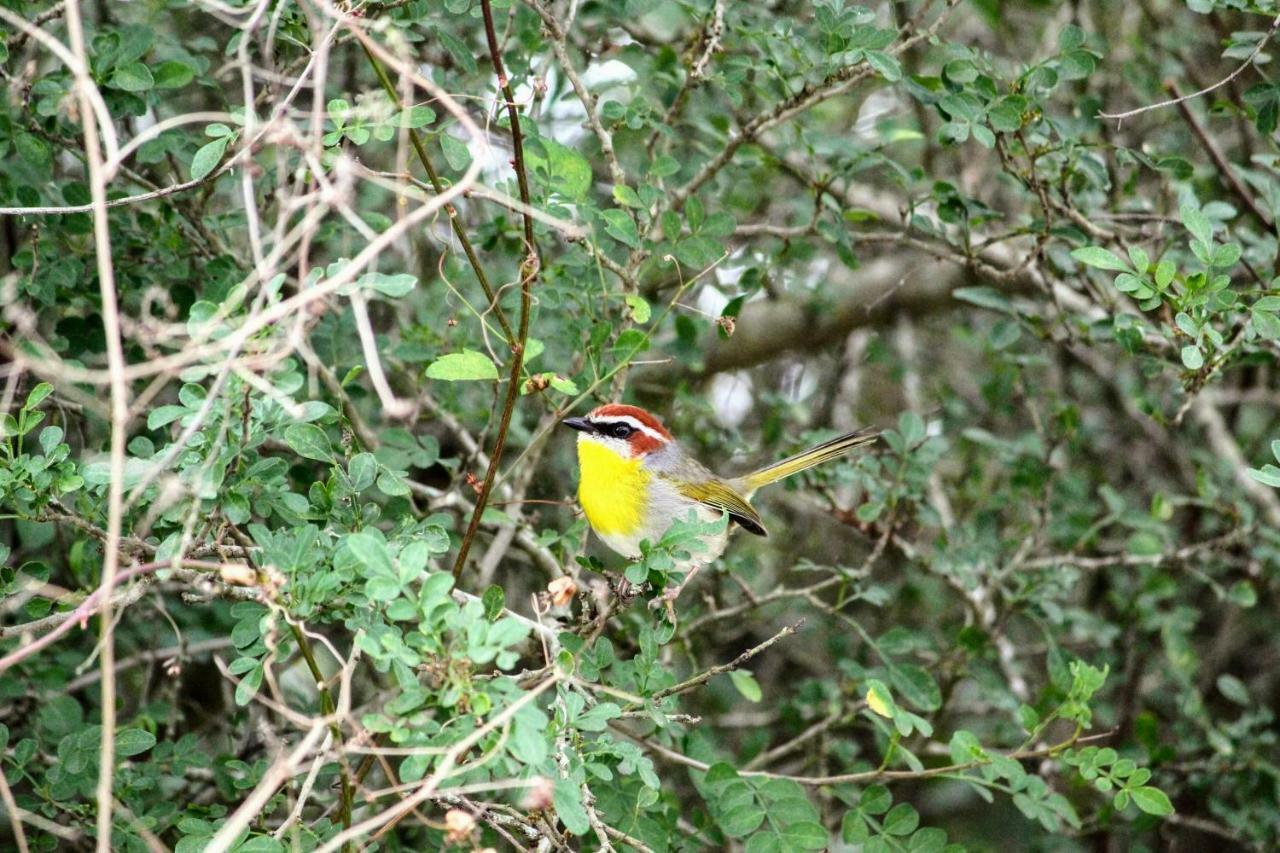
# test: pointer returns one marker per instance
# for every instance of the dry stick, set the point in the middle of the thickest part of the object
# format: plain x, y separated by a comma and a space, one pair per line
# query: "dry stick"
16, 40
1224, 168
15, 822
415, 139
189, 650
119, 416
528, 274
1271, 31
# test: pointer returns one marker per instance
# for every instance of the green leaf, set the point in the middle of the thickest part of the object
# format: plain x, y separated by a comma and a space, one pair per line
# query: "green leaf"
1266, 324
1151, 800
1233, 688
133, 741
1103, 259
886, 65
1242, 594
32, 150
415, 117
1226, 255
309, 441
38, 395
494, 600
640, 310
1198, 224
569, 808
362, 469
569, 171
1192, 357
902, 819
619, 226
746, 684
395, 286
134, 77
248, 686
463, 366
879, 699
162, 415
984, 297
456, 152
208, 156
1268, 475
626, 196
875, 800
173, 75
597, 718
372, 553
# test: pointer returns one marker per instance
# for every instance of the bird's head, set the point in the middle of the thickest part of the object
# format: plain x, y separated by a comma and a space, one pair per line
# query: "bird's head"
628, 431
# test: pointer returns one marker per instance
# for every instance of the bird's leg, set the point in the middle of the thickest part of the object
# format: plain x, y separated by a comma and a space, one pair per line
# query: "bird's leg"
669, 596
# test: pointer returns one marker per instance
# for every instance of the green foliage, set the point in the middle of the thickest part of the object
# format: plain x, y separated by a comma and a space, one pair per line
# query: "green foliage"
1040, 607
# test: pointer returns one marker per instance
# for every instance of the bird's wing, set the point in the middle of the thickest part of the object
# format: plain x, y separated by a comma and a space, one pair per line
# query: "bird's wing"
721, 496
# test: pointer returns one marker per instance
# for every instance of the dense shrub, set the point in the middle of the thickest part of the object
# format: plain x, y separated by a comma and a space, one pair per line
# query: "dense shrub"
295, 294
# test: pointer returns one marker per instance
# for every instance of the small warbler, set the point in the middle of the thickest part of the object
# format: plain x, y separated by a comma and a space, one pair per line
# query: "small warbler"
636, 481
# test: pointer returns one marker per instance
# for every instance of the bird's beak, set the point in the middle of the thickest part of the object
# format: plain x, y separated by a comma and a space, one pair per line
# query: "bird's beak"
580, 424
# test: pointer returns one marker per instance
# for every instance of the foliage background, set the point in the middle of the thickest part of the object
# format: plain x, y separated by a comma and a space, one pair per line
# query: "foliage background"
286, 353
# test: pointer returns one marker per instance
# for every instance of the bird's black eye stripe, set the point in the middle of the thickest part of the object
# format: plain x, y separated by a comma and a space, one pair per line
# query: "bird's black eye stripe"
619, 430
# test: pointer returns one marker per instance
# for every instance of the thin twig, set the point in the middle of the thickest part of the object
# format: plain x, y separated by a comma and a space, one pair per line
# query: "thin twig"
703, 677
1271, 31
91, 606
879, 774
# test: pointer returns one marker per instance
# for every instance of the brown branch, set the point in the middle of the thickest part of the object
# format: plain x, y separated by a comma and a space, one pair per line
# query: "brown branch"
528, 275
1219, 160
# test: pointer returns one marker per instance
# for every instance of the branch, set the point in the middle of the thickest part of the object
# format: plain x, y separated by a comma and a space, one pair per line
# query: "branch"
528, 275
704, 677
98, 177
61, 623
879, 774
584, 95
415, 139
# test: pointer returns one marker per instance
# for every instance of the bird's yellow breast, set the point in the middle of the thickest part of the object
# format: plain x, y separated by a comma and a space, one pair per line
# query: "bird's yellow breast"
613, 490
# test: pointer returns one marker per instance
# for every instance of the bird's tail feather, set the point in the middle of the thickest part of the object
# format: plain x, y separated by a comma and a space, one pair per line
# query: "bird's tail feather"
824, 452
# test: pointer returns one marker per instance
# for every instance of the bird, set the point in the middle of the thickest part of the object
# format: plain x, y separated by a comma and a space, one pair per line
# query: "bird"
636, 480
